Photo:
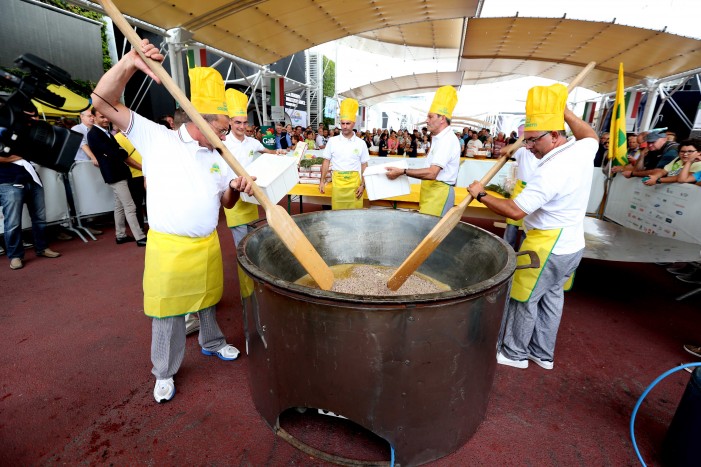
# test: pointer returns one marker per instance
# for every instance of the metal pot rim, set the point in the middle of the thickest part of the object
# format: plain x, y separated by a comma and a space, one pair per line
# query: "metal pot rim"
477, 289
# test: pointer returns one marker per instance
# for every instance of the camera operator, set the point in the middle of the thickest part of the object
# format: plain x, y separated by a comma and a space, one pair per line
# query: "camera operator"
20, 184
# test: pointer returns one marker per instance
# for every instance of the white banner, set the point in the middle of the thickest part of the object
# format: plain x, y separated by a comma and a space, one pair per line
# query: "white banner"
277, 113
670, 210
297, 117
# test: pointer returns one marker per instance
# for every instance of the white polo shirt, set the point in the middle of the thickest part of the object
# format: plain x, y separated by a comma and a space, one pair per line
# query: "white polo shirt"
557, 194
245, 150
527, 164
185, 181
346, 154
81, 155
445, 153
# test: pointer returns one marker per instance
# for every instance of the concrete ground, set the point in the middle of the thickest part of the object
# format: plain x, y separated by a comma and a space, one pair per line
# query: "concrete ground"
76, 388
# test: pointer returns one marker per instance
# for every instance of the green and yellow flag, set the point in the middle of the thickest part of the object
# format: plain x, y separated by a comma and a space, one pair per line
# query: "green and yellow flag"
618, 143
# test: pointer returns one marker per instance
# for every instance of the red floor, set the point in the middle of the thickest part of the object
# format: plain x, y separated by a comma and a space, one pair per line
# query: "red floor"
75, 382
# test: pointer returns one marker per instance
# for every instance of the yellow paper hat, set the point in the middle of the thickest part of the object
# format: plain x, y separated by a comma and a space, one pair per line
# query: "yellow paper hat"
237, 103
207, 91
444, 101
545, 108
349, 109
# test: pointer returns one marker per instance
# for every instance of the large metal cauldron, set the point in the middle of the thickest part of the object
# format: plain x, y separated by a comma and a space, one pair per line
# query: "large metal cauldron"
416, 370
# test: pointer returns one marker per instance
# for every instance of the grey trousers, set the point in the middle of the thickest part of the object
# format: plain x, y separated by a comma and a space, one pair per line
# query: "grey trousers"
168, 341
530, 328
239, 232
125, 210
449, 202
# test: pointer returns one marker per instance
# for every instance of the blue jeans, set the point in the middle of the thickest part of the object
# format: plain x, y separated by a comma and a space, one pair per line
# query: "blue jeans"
12, 197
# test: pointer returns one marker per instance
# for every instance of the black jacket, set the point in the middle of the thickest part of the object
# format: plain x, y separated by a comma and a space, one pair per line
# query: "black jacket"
110, 155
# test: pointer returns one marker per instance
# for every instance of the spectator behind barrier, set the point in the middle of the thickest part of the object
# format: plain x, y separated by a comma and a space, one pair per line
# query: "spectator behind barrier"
660, 152
690, 153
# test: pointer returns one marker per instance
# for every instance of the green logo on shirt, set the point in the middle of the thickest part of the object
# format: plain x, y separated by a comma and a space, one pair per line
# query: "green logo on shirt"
215, 169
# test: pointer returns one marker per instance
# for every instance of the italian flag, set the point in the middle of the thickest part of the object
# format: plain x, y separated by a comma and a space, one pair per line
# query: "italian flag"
277, 91
196, 57
633, 99
589, 112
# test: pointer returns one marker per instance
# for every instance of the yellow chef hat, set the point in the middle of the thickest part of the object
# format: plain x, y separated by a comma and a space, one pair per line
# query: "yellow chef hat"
237, 103
545, 108
349, 109
444, 101
207, 91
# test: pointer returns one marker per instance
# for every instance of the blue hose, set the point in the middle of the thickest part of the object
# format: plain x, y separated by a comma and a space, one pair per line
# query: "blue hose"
391, 459
643, 396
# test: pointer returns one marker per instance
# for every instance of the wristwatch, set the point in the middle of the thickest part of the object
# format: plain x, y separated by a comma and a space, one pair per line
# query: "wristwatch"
480, 195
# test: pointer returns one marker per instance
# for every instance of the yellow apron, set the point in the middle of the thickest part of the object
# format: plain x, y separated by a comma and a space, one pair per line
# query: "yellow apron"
343, 192
433, 197
242, 213
518, 188
245, 283
525, 280
181, 274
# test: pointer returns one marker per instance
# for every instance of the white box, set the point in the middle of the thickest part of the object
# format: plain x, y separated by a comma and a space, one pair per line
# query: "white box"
276, 175
381, 187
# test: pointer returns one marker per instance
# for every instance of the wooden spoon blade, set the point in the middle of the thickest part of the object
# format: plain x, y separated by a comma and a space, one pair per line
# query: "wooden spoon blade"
300, 246
281, 223
452, 217
426, 247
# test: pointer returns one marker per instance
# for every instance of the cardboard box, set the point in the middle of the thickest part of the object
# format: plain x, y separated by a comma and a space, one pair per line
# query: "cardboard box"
381, 187
276, 175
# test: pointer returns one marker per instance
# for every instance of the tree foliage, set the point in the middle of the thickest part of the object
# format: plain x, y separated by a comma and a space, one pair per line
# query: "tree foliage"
329, 70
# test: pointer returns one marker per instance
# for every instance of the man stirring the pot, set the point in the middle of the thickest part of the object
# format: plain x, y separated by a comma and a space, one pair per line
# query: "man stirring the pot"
552, 206
438, 179
188, 182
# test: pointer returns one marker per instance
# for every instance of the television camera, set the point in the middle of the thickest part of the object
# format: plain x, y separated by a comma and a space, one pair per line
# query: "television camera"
21, 133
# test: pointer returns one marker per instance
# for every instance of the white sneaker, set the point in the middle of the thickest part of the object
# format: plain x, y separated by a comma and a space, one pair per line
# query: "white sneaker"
228, 352
164, 390
502, 360
192, 326
546, 365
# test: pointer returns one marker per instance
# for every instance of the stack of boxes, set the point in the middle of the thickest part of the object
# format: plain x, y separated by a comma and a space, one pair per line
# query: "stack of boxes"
310, 171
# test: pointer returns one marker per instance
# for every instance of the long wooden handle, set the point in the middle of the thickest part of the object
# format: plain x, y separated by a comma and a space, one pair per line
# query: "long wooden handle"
453, 216
278, 219
182, 99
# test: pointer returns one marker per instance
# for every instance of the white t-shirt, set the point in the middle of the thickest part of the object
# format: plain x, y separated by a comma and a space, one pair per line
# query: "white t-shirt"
445, 153
346, 154
527, 164
81, 155
185, 181
475, 144
557, 194
244, 150
320, 141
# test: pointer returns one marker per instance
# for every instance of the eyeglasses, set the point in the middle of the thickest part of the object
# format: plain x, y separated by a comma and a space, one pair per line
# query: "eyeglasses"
688, 152
220, 131
532, 141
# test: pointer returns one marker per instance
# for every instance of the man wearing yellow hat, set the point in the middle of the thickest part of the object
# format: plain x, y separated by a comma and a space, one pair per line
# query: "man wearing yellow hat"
552, 206
188, 181
438, 179
243, 148
348, 156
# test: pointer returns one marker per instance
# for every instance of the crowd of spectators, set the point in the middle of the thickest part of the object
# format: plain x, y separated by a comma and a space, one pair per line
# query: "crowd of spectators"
656, 157
389, 142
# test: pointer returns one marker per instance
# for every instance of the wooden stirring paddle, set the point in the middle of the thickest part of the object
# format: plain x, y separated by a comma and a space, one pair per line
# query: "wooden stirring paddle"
279, 220
452, 217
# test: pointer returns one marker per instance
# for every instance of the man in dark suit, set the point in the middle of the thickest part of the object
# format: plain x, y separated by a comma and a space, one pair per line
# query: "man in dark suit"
113, 162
